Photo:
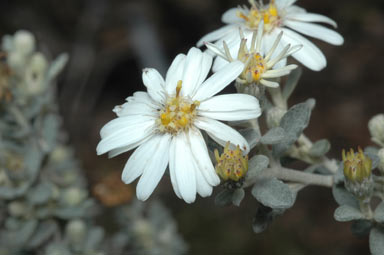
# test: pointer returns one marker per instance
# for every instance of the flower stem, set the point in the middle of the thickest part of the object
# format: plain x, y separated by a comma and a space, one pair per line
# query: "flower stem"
291, 175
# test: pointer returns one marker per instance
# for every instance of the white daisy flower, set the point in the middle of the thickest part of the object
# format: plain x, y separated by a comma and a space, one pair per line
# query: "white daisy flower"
258, 67
278, 15
165, 122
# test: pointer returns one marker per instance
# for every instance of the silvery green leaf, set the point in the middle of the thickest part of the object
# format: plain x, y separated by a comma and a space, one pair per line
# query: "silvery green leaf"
224, 197
238, 196
361, 227
44, 231
347, 213
49, 131
263, 218
40, 193
320, 148
273, 136
251, 135
57, 66
13, 192
257, 164
20, 236
7, 43
294, 121
379, 213
72, 212
371, 149
376, 241
291, 82
94, 237
343, 197
273, 193
57, 249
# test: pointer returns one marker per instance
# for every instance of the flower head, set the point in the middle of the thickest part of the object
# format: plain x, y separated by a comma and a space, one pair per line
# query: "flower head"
165, 122
278, 16
258, 66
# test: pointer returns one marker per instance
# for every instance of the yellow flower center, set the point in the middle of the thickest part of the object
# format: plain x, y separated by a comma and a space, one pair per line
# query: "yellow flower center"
268, 14
178, 113
231, 164
255, 68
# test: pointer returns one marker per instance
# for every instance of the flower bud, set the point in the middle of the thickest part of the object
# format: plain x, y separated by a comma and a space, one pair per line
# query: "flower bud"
35, 74
74, 196
381, 162
23, 42
231, 164
376, 128
358, 173
76, 232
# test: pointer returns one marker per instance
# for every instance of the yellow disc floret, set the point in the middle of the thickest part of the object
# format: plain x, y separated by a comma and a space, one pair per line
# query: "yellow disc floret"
256, 66
357, 167
178, 113
231, 164
258, 12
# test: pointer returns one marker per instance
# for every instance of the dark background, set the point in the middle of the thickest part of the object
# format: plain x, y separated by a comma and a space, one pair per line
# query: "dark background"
109, 42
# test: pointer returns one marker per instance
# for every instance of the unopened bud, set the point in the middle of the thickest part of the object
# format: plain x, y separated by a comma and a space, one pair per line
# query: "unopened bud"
74, 196
23, 42
231, 164
381, 158
35, 74
376, 128
358, 173
76, 232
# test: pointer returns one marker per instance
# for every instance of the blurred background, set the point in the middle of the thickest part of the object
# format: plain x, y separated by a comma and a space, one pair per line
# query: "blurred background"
109, 42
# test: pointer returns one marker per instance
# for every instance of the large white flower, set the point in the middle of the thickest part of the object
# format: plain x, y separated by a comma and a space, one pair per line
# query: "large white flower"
165, 122
278, 15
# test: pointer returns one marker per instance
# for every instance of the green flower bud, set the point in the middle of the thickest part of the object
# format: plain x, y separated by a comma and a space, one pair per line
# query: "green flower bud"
35, 74
76, 232
358, 173
24, 42
231, 164
74, 196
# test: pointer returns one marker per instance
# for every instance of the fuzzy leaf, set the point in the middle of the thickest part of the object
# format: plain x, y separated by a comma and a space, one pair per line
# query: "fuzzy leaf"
376, 241
251, 135
373, 156
343, 197
347, 213
94, 237
273, 136
257, 164
291, 83
273, 193
320, 148
57, 66
379, 213
44, 231
294, 121
224, 197
238, 196
263, 218
40, 194
361, 228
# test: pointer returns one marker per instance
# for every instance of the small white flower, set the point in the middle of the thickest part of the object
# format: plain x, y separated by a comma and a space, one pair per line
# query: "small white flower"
278, 15
165, 122
258, 66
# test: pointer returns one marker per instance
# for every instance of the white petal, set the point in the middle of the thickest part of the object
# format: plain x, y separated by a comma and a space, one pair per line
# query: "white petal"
230, 16
284, 3
174, 74
205, 67
155, 167
184, 168
219, 64
216, 34
120, 150
218, 81
125, 131
309, 55
230, 107
222, 133
135, 108
200, 154
316, 31
139, 159
312, 17
154, 83
202, 186
192, 70
215, 50
172, 167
